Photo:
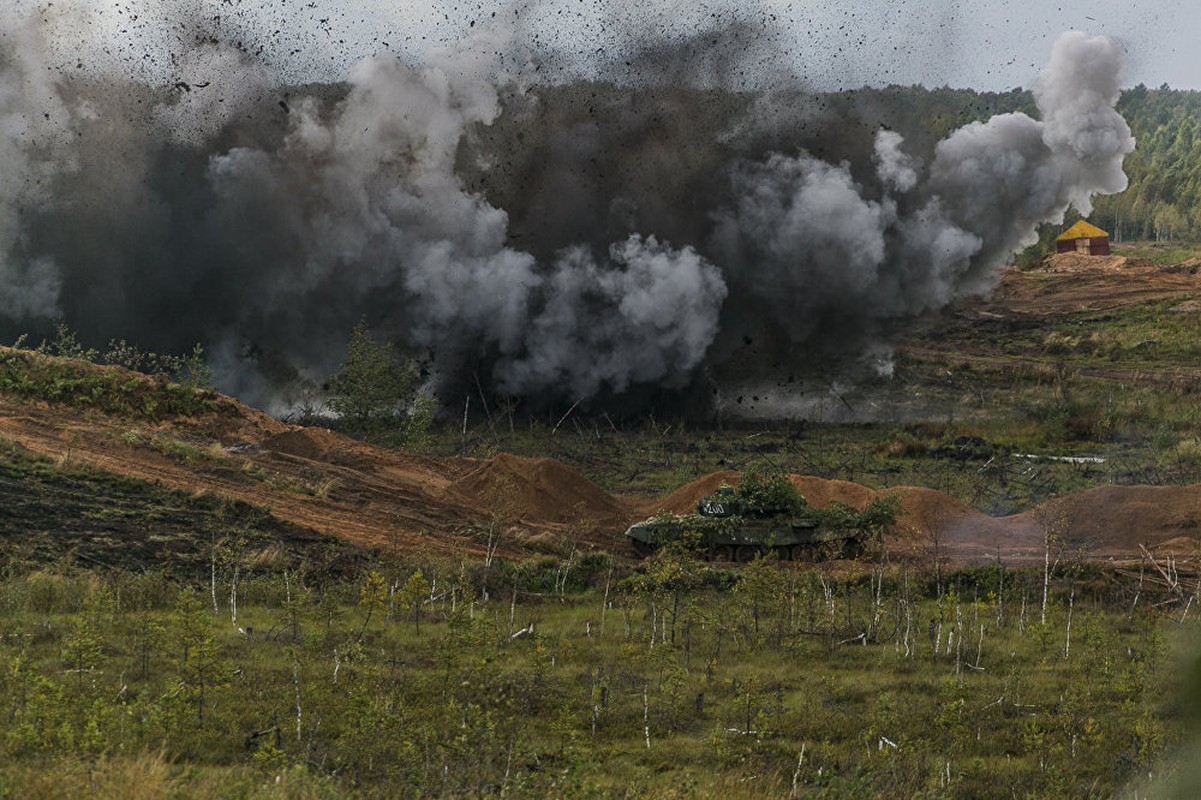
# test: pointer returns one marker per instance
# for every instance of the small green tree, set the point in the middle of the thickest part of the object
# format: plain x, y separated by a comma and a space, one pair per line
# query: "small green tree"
412, 594
760, 588
66, 345
82, 650
199, 668
378, 395
373, 596
673, 571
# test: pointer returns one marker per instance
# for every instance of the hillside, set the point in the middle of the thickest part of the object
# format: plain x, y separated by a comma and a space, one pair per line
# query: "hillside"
310, 481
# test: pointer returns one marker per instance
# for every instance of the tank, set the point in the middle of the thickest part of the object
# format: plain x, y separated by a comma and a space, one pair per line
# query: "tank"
764, 516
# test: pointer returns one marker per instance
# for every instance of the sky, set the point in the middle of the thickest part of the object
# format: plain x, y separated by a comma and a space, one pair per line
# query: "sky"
994, 45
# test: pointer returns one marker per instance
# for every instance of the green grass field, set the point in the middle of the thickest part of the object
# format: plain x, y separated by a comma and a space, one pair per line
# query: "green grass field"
524, 682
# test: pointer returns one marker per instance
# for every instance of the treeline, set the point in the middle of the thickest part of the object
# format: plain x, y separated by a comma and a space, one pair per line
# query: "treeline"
1164, 199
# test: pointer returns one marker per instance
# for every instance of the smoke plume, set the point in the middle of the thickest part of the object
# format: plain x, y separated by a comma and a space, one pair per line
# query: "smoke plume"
573, 241
34, 148
811, 239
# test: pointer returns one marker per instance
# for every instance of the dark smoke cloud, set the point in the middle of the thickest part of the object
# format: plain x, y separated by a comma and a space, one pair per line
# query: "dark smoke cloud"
569, 241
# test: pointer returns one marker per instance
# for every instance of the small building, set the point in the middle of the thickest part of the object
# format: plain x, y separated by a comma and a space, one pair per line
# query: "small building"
1083, 238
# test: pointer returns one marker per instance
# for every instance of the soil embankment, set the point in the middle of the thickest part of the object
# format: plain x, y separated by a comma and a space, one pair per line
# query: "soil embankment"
325, 482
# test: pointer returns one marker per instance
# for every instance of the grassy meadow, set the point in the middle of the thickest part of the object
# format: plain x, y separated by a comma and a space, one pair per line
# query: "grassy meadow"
580, 679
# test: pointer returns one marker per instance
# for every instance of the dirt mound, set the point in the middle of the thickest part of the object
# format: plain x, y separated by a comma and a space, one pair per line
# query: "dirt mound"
818, 492
536, 490
1112, 521
233, 423
1077, 262
320, 444
317, 444
1105, 523
684, 499
1074, 283
925, 510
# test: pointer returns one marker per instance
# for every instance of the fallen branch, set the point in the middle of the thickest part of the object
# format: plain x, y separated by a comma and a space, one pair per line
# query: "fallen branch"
565, 416
1170, 581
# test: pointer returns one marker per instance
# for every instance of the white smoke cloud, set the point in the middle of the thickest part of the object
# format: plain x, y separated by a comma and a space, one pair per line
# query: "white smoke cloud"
811, 240
35, 135
898, 170
647, 317
1076, 93
1001, 178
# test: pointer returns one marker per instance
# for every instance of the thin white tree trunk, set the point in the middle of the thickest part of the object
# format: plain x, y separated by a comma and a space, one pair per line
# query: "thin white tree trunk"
233, 597
213, 577
1046, 577
796, 773
605, 600
296, 687
1067, 640
646, 717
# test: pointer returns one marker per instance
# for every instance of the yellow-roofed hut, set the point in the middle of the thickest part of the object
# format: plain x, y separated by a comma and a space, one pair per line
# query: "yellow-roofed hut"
1083, 238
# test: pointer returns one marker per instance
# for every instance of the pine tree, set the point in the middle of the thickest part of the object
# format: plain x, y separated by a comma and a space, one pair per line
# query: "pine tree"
378, 396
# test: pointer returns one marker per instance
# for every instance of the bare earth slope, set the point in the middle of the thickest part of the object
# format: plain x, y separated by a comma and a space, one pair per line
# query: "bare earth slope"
327, 483
1071, 283
1068, 285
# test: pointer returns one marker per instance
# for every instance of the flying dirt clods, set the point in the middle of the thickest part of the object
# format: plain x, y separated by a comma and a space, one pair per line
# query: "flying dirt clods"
264, 219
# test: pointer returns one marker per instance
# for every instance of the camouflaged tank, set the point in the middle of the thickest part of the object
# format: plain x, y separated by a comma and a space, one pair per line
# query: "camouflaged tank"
764, 517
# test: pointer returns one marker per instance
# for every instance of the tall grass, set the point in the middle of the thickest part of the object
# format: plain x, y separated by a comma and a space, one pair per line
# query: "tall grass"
881, 680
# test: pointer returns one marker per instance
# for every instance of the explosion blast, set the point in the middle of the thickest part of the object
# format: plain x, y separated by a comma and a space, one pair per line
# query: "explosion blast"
615, 256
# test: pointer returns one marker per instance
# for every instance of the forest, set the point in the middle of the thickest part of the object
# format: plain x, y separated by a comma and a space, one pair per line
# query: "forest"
1164, 197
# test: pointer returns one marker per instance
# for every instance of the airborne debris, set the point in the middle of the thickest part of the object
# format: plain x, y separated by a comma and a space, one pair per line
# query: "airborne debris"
684, 217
